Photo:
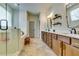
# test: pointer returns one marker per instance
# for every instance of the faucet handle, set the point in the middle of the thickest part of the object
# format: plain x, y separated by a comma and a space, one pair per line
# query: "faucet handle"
73, 30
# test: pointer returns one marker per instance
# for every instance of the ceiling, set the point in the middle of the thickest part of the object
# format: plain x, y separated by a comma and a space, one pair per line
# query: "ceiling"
32, 7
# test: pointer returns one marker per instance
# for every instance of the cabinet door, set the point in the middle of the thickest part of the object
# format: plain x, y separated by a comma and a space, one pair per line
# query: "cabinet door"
42, 35
53, 37
75, 51
69, 50
57, 47
49, 37
45, 37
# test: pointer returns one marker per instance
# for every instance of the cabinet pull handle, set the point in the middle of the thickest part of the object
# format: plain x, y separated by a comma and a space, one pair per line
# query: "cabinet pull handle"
76, 47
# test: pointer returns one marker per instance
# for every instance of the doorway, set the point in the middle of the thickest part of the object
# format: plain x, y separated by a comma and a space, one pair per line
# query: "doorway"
33, 25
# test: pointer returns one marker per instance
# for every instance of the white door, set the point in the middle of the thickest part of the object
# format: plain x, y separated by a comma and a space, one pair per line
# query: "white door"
31, 29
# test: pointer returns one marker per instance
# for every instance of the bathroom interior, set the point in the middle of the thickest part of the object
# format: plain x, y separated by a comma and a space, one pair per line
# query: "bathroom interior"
53, 29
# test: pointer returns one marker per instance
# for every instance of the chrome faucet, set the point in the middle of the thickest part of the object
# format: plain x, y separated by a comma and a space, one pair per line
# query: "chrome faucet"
73, 30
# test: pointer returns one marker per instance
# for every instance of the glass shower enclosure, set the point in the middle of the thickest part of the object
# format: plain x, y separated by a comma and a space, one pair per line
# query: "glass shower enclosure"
9, 29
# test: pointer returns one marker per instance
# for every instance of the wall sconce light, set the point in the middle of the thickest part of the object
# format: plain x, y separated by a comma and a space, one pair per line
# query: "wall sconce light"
49, 20
50, 16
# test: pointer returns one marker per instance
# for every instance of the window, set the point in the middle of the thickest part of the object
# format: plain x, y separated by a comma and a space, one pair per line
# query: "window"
9, 18
2, 13
74, 14
3, 16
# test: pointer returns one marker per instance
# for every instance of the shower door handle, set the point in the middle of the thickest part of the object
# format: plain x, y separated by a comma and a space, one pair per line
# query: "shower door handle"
3, 24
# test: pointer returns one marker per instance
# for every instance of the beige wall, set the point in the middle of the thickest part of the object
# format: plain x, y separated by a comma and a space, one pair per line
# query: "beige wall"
59, 8
43, 21
23, 21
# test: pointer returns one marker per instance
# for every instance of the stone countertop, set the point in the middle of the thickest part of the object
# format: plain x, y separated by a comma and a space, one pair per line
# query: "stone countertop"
66, 34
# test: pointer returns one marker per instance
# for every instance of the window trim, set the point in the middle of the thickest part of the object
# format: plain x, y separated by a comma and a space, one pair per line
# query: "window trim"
70, 22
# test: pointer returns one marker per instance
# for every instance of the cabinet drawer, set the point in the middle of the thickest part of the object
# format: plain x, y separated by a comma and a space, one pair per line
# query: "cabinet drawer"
75, 42
54, 36
64, 39
57, 47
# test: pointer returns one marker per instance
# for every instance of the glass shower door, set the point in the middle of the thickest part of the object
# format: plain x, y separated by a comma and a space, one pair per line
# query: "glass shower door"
13, 32
9, 29
3, 29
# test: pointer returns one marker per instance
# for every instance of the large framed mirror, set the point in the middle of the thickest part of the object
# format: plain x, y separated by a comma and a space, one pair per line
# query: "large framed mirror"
72, 10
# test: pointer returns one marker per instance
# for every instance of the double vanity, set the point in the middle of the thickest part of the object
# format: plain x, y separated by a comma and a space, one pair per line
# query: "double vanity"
63, 44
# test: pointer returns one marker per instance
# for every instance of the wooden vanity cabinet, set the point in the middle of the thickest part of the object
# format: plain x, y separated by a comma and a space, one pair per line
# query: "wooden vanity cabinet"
75, 42
47, 37
64, 39
54, 37
61, 45
75, 51
49, 40
69, 50
66, 49
75, 46
44, 36
57, 45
